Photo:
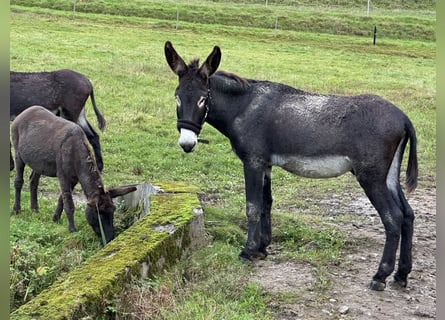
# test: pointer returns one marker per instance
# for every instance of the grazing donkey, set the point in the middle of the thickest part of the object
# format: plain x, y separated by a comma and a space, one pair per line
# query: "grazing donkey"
55, 147
311, 135
64, 92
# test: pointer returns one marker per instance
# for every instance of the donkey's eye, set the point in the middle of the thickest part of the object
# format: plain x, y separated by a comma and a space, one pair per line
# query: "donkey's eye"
178, 101
201, 102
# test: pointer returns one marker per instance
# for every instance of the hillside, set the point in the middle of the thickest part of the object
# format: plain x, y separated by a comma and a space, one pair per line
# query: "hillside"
394, 19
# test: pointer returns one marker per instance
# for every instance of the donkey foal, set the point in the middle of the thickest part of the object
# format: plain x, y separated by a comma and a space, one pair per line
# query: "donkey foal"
55, 147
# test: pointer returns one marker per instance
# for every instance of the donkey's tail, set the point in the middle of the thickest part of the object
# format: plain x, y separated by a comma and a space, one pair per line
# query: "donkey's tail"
100, 119
412, 168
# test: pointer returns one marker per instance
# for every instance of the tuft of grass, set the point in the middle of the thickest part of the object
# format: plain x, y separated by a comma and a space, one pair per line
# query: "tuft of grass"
226, 226
319, 246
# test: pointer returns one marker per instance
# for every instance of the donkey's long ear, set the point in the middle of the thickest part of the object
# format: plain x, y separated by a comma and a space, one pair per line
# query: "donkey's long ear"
212, 63
175, 62
120, 191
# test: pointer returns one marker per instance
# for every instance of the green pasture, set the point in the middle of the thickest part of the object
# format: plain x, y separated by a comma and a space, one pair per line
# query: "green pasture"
347, 18
122, 53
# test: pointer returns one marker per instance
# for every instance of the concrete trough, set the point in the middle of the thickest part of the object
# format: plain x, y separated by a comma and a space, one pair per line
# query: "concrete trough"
172, 225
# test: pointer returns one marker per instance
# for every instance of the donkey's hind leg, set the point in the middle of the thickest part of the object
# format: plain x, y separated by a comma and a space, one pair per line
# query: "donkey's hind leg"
18, 183
93, 138
11, 160
405, 261
392, 218
33, 185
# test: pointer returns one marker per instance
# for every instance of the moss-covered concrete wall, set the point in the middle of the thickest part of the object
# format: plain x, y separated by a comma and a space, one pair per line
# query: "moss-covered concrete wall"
174, 225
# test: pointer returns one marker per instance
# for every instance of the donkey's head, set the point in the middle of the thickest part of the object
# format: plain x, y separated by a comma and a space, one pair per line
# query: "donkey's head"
192, 93
101, 205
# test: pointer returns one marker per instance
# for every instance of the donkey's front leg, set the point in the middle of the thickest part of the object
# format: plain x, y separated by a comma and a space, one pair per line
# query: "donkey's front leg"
254, 180
67, 203
68, 206
266, 229
59, 209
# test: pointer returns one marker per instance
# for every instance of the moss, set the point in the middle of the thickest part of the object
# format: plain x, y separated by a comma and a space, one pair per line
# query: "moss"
141, 250
176, 187
231, 234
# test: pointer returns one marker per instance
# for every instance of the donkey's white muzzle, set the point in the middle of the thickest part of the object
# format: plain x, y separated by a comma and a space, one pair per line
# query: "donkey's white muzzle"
187, 140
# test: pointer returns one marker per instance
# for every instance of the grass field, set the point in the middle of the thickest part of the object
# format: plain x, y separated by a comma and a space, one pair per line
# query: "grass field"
119, 46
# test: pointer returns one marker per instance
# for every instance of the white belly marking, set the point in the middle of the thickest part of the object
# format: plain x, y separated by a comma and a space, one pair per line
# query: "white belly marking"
313, 167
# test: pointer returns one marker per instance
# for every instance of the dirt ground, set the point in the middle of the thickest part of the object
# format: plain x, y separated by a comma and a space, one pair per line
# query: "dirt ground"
349, 297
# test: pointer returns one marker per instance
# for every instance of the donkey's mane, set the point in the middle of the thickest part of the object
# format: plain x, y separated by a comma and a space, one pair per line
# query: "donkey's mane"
194, 65
95, 177
242, 81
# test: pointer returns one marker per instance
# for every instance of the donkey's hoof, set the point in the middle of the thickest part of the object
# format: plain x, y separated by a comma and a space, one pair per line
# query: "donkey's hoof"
264, 252
377, 285
400, 281
246, 257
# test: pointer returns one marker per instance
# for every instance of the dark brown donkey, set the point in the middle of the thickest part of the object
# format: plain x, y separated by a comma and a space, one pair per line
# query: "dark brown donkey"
63, 92
55, 147
309, 134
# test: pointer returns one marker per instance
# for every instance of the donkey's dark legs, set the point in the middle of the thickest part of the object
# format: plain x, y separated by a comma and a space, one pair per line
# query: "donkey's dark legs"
11, 160
18, 183
254, 181
405, 261
94, 140
392, 218
68, 204
59, 209
33, 184
266, 229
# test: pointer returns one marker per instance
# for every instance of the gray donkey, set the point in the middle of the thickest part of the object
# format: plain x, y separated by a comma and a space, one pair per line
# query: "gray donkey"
55, 147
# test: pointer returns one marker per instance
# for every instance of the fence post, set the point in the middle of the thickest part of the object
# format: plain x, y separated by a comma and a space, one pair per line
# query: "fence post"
375, 34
